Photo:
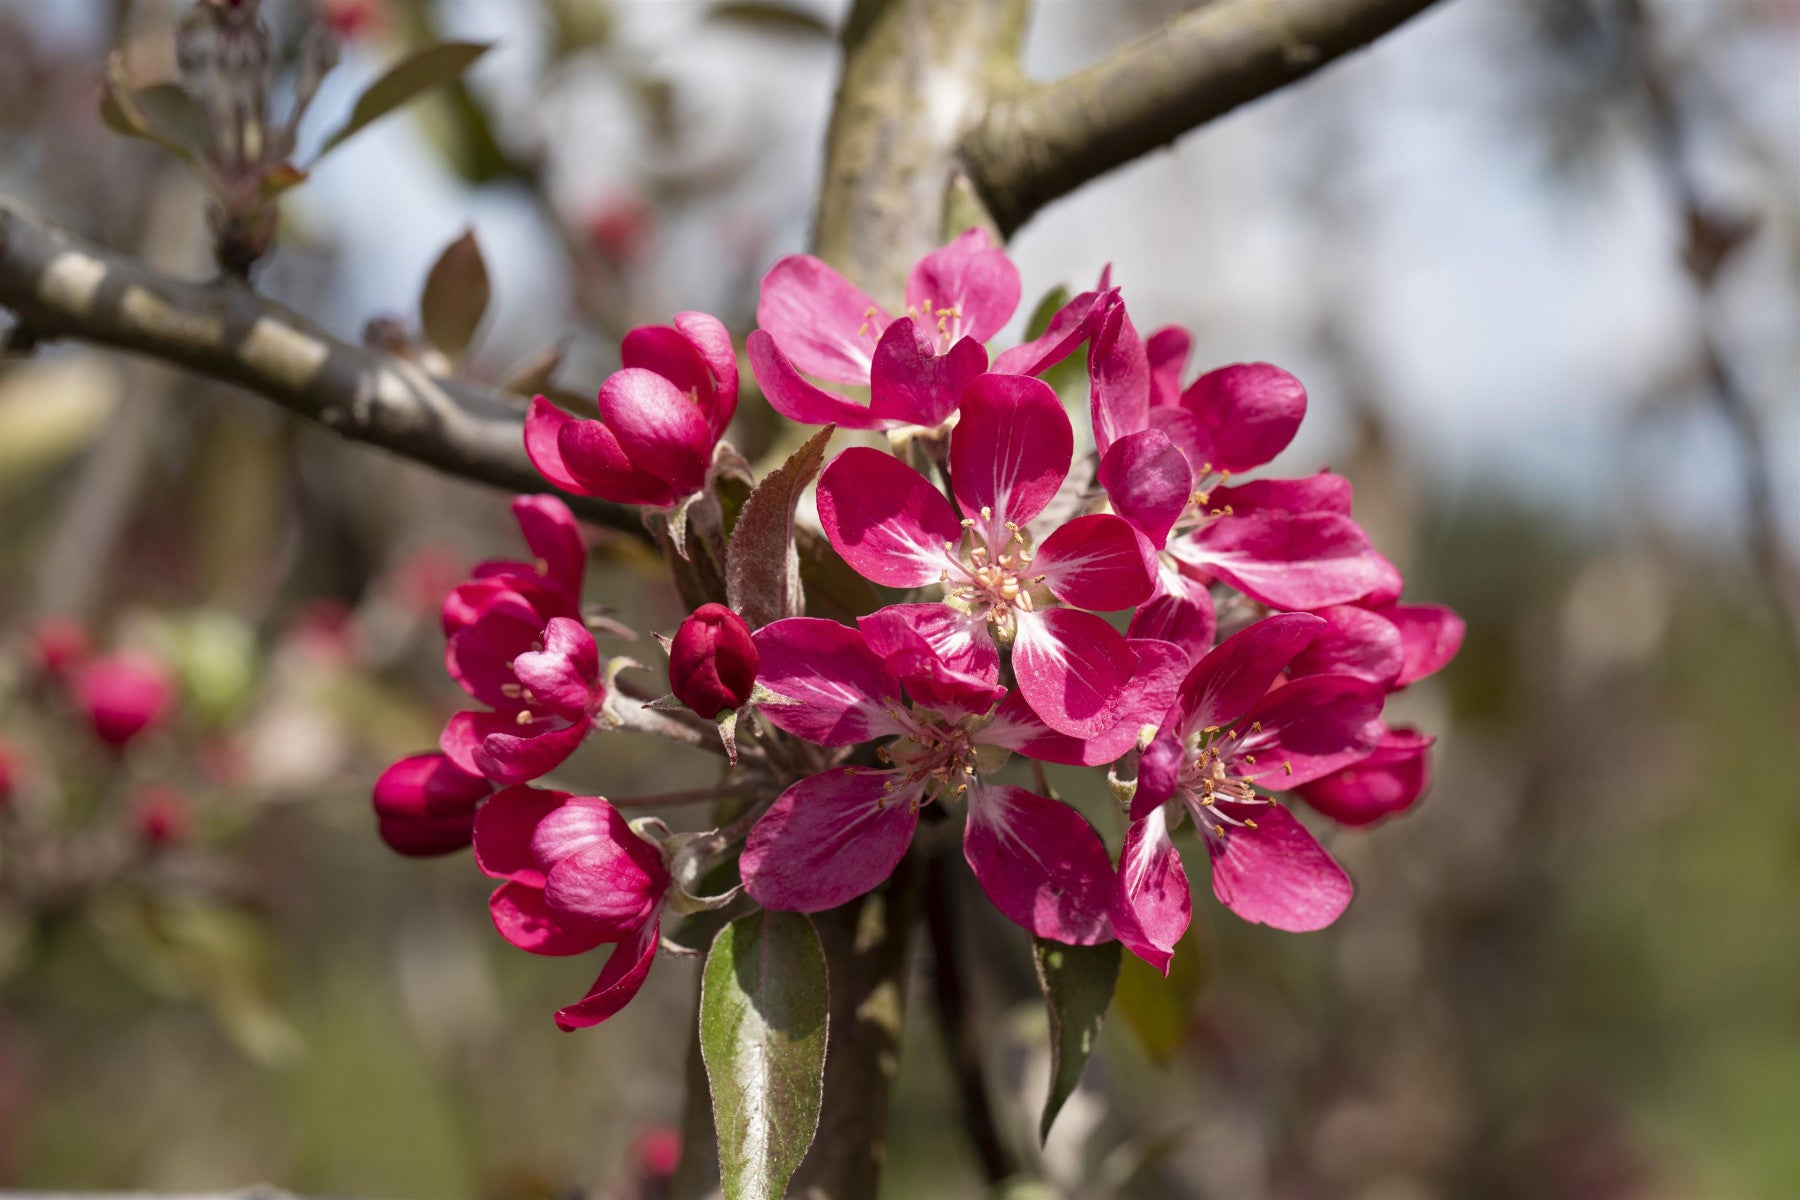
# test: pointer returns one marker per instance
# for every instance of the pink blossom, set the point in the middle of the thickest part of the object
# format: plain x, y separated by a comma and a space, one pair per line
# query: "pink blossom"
835, 835
1166, 456
59, 645
1010, 452
1227, 736
123, 694
425, 805
516, 645
161, 817
575, 876
660, 417
813, 321
712, 661
1388, 780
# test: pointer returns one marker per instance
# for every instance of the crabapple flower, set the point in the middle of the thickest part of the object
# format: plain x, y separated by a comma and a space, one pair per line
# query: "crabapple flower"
1009, 454
1166, 455
1227, 736
661, 416
122, 695
425, 805
813, 321
574, 876
712, 661
835, 835
514, 644
1388, 780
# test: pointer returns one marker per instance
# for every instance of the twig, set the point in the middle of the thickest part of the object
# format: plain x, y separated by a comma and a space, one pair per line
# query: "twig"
1043, 141
63, 287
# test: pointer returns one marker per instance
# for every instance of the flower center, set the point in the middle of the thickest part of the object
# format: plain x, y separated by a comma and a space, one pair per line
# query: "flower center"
991, 582
936, 760
1208, 784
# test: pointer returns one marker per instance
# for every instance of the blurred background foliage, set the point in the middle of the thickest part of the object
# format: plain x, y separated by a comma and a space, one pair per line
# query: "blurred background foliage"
1538, 262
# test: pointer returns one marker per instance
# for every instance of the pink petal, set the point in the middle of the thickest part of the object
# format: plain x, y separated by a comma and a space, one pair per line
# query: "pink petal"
961, 641
1152, 692
827, 326
1388, 583
1430, 634
1179, 611
1250, 412
603, 468
619, 981
1225, 684
973, 277
1041, 864
1072, 325
1118, 380
1390, 780
460, 740
479, 657
1097, 562
915, 385
1276, 874
1291, 562
522, 919
544, 424
509, 752
564, 676
661, 429
1159, 771
1308, 728
610, 888
504, 829
1322, 492
1073, 668
713, 342
1354, 642
1151, 910
887, 521
550, 530
663, 350
427, 787
831, 688
930, 680
1149, 482
1010, 451
828, 839
791, 395
1167, 353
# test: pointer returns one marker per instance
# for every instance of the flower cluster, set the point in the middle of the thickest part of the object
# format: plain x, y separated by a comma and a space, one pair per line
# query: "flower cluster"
1059, 606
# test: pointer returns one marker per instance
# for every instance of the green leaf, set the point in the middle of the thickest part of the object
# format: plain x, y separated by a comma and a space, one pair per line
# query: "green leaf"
406, 80
455, 297
1161, 1011
762, 1033
762, 566
1078, 985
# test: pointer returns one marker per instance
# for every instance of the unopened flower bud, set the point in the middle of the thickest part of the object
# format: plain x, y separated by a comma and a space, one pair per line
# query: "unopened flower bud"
425, 805
123, 695
712, 661
161, 817
58, 646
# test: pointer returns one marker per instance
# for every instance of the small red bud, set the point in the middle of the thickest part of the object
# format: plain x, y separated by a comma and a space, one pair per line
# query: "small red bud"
712, 661
161, 817
123, 695
425, 805
657, 1151
58, 646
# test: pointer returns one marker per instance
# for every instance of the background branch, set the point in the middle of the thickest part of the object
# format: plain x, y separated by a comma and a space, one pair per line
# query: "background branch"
58, 286
1041, 141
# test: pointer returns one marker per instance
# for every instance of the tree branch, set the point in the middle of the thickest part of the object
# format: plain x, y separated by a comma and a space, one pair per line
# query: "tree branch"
59, 286
1042, 141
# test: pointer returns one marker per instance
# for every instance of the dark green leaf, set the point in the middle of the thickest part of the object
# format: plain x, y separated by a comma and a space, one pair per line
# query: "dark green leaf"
762, 1033
1161, 1011
407, 79
772, 18
1078, 985
762, 567
455, 297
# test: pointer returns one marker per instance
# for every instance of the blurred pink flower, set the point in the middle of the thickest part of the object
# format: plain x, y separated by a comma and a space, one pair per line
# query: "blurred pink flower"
123, 694
161, 816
